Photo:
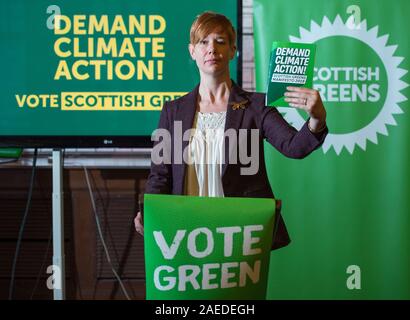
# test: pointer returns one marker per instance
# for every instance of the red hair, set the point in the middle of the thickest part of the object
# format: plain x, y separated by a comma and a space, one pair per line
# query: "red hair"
210, 21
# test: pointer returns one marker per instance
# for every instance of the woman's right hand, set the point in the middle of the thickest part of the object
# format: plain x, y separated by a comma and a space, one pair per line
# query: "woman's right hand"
139, 224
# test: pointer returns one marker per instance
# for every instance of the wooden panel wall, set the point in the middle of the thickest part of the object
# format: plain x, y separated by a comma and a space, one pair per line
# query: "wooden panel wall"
88, 274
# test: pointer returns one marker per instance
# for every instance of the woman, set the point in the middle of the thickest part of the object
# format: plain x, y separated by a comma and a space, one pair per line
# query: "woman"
217, 105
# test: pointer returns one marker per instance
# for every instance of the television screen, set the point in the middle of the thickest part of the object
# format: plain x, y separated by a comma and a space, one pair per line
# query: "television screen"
95, 73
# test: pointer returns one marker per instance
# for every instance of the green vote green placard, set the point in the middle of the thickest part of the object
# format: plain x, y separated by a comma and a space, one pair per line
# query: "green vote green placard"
207, 248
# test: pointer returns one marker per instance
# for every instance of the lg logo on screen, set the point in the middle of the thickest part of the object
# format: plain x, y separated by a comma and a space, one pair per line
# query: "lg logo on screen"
353, 282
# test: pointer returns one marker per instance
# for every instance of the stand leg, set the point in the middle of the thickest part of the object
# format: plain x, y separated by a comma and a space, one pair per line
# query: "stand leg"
58, 227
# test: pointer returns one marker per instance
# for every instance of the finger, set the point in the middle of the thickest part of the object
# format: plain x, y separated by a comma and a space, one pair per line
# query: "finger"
297, 105
140, 229
137, 227
137, 224
299, 101
296, 95
141, 218
300, 89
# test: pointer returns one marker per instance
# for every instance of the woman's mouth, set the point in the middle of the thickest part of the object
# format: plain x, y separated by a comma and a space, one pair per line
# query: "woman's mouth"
212, 61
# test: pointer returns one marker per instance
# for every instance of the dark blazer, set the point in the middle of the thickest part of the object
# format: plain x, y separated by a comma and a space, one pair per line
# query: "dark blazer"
169, 178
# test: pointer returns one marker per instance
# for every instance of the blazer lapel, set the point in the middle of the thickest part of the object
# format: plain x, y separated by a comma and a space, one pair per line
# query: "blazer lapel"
236, 108
186, 114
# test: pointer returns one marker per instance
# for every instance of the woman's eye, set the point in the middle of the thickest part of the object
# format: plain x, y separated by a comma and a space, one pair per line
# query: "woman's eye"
203, 42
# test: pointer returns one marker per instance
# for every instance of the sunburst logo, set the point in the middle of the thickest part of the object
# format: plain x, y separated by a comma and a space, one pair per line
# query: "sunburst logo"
362, 94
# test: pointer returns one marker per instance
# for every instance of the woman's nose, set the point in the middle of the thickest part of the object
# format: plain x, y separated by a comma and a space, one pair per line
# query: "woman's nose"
211, 47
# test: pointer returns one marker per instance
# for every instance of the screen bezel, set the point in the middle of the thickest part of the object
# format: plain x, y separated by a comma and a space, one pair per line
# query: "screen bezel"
100, 141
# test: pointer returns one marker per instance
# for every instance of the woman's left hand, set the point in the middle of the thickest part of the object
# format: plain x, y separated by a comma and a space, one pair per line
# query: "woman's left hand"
310, 101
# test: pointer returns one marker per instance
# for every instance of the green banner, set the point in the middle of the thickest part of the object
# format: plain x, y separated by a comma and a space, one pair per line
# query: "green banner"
346, 205
207, 248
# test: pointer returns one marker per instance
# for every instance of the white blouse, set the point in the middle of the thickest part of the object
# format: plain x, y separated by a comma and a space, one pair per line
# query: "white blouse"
205, 155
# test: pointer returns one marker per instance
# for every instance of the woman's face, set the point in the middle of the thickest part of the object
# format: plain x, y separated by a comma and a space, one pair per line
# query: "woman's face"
213, 53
